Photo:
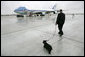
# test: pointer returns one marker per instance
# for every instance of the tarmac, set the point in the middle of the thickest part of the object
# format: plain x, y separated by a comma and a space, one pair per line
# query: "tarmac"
23, 36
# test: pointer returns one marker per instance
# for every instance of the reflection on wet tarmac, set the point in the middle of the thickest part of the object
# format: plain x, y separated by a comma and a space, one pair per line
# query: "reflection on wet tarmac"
20, 36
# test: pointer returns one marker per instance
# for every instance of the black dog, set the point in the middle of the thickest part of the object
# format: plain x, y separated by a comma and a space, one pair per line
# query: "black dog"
47, 46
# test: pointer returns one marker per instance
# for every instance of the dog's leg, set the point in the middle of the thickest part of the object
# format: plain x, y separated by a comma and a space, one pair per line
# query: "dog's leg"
49, 52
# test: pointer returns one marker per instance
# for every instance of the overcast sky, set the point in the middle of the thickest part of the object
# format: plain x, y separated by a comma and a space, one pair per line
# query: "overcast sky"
7, 7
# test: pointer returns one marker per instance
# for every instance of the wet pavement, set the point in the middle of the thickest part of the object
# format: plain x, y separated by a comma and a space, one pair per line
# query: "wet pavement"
24, 36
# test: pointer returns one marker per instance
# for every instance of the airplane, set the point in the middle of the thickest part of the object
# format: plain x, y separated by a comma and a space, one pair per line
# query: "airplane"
24, 11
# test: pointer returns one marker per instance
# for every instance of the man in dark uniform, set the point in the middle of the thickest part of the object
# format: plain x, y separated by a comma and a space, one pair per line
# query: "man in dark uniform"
60, 21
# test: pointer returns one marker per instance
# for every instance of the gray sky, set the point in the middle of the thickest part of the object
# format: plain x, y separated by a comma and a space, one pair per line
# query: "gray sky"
7, 7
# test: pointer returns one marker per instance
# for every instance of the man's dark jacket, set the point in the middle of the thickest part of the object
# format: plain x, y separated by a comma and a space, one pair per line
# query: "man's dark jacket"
60, 18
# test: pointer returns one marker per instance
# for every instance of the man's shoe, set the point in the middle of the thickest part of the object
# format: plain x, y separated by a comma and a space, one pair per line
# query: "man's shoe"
58, 32
61, 34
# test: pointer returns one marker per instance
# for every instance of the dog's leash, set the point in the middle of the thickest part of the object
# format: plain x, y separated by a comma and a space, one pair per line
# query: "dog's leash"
53, 34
